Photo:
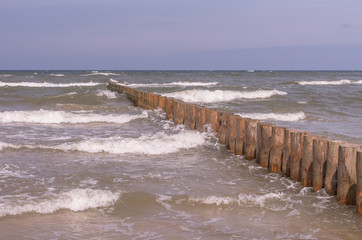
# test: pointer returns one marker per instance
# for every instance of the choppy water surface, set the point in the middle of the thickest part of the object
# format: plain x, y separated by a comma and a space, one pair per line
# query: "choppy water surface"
80, 162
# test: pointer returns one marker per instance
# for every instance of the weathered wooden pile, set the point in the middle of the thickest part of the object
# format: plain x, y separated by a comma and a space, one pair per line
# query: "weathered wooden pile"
312, 160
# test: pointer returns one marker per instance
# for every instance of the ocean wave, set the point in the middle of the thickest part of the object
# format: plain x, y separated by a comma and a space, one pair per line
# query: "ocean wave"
172, 84
10, 170
60, 117
47, 84
285, 117
241, 199
340, 82
57, 75
74, 200
207, 96
96, 73
159, 143
106, 93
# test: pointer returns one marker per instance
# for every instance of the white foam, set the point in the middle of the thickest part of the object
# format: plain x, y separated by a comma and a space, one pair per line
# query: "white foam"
10, 170
59, 117
96, 73
207, 96
183, 84
340, 82
74, 200
242, 199
286, 117
57, 75
46, 84
106, 93
159, 143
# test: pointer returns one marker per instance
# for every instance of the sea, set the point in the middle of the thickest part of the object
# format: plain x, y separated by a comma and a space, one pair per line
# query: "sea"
78, 161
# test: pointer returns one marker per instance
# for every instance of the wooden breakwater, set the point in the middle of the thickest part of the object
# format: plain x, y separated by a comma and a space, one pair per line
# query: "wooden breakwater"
314, 161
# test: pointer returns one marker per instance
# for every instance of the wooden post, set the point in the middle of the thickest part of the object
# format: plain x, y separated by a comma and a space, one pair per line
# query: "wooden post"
240, 136
145, 100
222, 133
286, 154
276, 151
156, 99
169, 108
150, 100
199, 117
306, 174
232, 132
319, 162
265, 143
330, 181
203, 119
347, 177
162, 103
250, 138
140, 99
214, 121
296, 154
193, 116
359, 182
179, 112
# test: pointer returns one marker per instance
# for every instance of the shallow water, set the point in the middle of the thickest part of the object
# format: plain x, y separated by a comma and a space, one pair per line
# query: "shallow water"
80, 162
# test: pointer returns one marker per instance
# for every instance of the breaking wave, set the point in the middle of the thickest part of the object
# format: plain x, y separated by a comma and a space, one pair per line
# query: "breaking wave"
285, 117
74, 200
96, 73
172, 84
59, 117
340, 82
47, 84
208, 96
159, 143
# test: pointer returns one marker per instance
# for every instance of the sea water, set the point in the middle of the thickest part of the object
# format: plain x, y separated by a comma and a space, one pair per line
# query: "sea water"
78, 161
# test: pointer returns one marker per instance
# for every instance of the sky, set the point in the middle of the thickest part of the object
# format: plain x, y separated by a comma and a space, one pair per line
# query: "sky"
180, 35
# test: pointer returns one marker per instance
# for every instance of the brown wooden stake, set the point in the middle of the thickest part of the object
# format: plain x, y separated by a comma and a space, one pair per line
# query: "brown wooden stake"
240, 136
199, 126
296, 154
330, 181
319, 162
250, 138
169, 108
359, 182
150, 100
214, 121
276, 151
265, 143
140, 99
286, 154
162, 103
347, 177
232, 132
156, 99
306, 174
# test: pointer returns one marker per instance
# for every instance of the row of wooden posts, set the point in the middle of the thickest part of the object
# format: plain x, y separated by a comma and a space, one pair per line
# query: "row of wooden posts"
314, 161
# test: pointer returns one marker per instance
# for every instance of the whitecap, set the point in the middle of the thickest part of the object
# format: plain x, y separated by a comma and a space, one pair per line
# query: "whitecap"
172, 84
285, 117
106, 93
242, 199
207, 96
96, 73
60, 117
159, 143
47, 84
74, 200
340, 82
57, 75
